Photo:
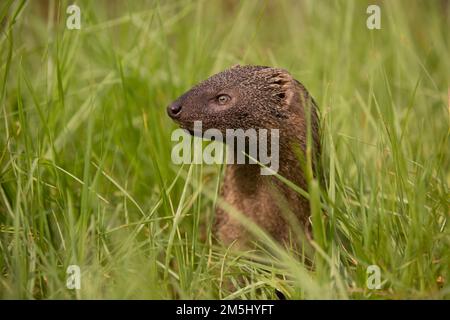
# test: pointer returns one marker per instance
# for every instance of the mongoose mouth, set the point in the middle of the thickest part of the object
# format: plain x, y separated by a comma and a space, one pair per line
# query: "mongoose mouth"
191, 131
186, 126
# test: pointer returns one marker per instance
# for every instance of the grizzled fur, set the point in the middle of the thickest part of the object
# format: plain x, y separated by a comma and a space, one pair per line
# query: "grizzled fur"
261, 98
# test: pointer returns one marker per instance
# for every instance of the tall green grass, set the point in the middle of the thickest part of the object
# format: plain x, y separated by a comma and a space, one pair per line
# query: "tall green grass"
86, 176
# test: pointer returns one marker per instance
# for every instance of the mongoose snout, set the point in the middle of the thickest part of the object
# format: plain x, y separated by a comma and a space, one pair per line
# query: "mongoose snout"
174, 109
256, 97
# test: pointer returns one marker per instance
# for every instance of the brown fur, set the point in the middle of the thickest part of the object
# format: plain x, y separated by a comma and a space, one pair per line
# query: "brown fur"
262, 97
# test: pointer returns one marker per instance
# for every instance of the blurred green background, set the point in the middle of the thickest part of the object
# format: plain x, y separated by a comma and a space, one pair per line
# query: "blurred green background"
86, 176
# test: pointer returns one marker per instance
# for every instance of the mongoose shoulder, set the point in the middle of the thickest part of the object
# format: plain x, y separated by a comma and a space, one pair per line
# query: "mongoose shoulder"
245, 97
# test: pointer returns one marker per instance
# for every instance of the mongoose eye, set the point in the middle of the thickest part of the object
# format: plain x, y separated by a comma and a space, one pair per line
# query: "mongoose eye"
223, 99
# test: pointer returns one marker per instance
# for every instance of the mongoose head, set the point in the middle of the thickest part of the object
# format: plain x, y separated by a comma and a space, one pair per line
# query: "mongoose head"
242, 97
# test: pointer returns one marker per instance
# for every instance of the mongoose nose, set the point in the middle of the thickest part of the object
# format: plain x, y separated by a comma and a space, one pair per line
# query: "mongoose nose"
174, 109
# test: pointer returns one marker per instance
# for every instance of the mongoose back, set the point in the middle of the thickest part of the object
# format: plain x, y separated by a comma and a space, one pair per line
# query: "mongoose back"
258, 97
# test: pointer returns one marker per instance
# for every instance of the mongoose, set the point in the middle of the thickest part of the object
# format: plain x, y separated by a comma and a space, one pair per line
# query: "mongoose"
256, 97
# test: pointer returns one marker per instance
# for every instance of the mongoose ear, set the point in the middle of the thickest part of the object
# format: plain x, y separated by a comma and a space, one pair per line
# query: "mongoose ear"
284, 86
291, 96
